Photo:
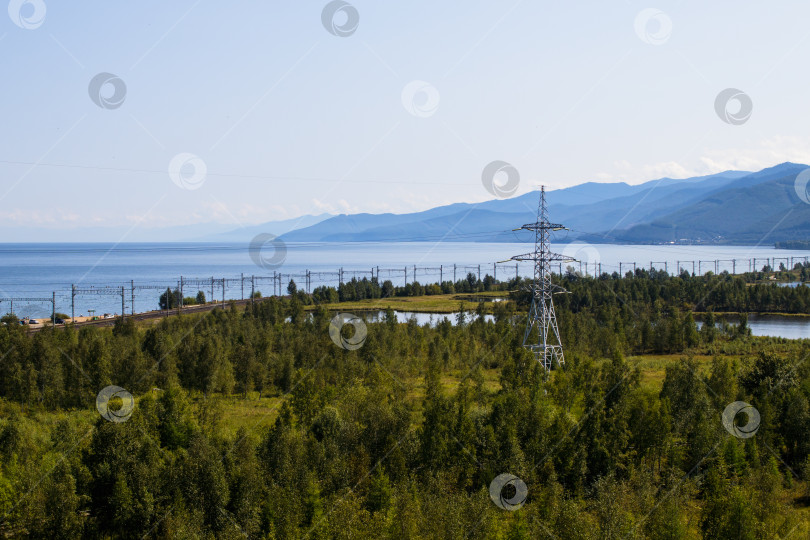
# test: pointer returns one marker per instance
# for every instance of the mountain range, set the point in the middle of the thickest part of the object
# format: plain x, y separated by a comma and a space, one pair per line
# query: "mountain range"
732, 207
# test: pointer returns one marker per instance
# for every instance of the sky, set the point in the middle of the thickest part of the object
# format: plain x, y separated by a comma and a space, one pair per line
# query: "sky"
155, 114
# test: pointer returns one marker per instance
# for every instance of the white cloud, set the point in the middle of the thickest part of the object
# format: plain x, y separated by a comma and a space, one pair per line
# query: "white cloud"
340, 206
766, 153
24, 217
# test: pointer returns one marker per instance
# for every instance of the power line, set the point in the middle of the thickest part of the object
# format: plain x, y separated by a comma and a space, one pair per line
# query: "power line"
233, 175
548, 347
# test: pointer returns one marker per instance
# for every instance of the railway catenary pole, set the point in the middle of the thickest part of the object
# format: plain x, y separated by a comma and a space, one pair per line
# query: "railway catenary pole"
213, 282
51, 300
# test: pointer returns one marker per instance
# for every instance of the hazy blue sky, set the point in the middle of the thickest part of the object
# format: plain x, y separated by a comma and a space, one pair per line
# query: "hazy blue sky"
290, 119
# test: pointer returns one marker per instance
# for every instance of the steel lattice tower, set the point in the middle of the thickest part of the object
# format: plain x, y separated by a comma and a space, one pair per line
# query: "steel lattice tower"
548, 347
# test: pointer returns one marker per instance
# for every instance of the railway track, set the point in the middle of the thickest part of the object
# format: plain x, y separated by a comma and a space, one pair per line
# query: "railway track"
150, 315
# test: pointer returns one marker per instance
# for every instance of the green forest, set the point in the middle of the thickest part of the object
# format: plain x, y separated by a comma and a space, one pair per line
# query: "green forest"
255, 422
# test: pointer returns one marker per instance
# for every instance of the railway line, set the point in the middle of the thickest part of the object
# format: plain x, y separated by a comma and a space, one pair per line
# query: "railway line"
148, 315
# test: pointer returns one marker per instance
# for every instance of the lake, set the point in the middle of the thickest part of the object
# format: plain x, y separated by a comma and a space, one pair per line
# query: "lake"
431, 319
784, 327
38, 270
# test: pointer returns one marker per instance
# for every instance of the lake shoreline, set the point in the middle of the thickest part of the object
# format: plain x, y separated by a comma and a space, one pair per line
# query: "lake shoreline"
761, 315
146, 269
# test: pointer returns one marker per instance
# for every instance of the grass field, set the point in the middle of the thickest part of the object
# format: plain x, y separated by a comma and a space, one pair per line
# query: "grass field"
439, 303
653, 367
251, 411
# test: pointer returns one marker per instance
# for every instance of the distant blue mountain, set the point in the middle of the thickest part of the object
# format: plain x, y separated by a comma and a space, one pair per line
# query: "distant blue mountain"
759, 208
609, 212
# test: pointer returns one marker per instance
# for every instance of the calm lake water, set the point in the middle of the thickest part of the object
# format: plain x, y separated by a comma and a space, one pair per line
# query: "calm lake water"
38, 270
431, 319
784, 327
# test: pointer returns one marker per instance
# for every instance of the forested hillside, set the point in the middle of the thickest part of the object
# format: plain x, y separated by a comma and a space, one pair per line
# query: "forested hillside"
402, 435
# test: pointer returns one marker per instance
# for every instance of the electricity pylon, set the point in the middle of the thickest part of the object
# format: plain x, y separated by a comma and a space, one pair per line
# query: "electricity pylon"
548, 347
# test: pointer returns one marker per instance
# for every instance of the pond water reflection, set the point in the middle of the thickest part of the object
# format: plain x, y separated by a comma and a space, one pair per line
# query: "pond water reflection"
784, 327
